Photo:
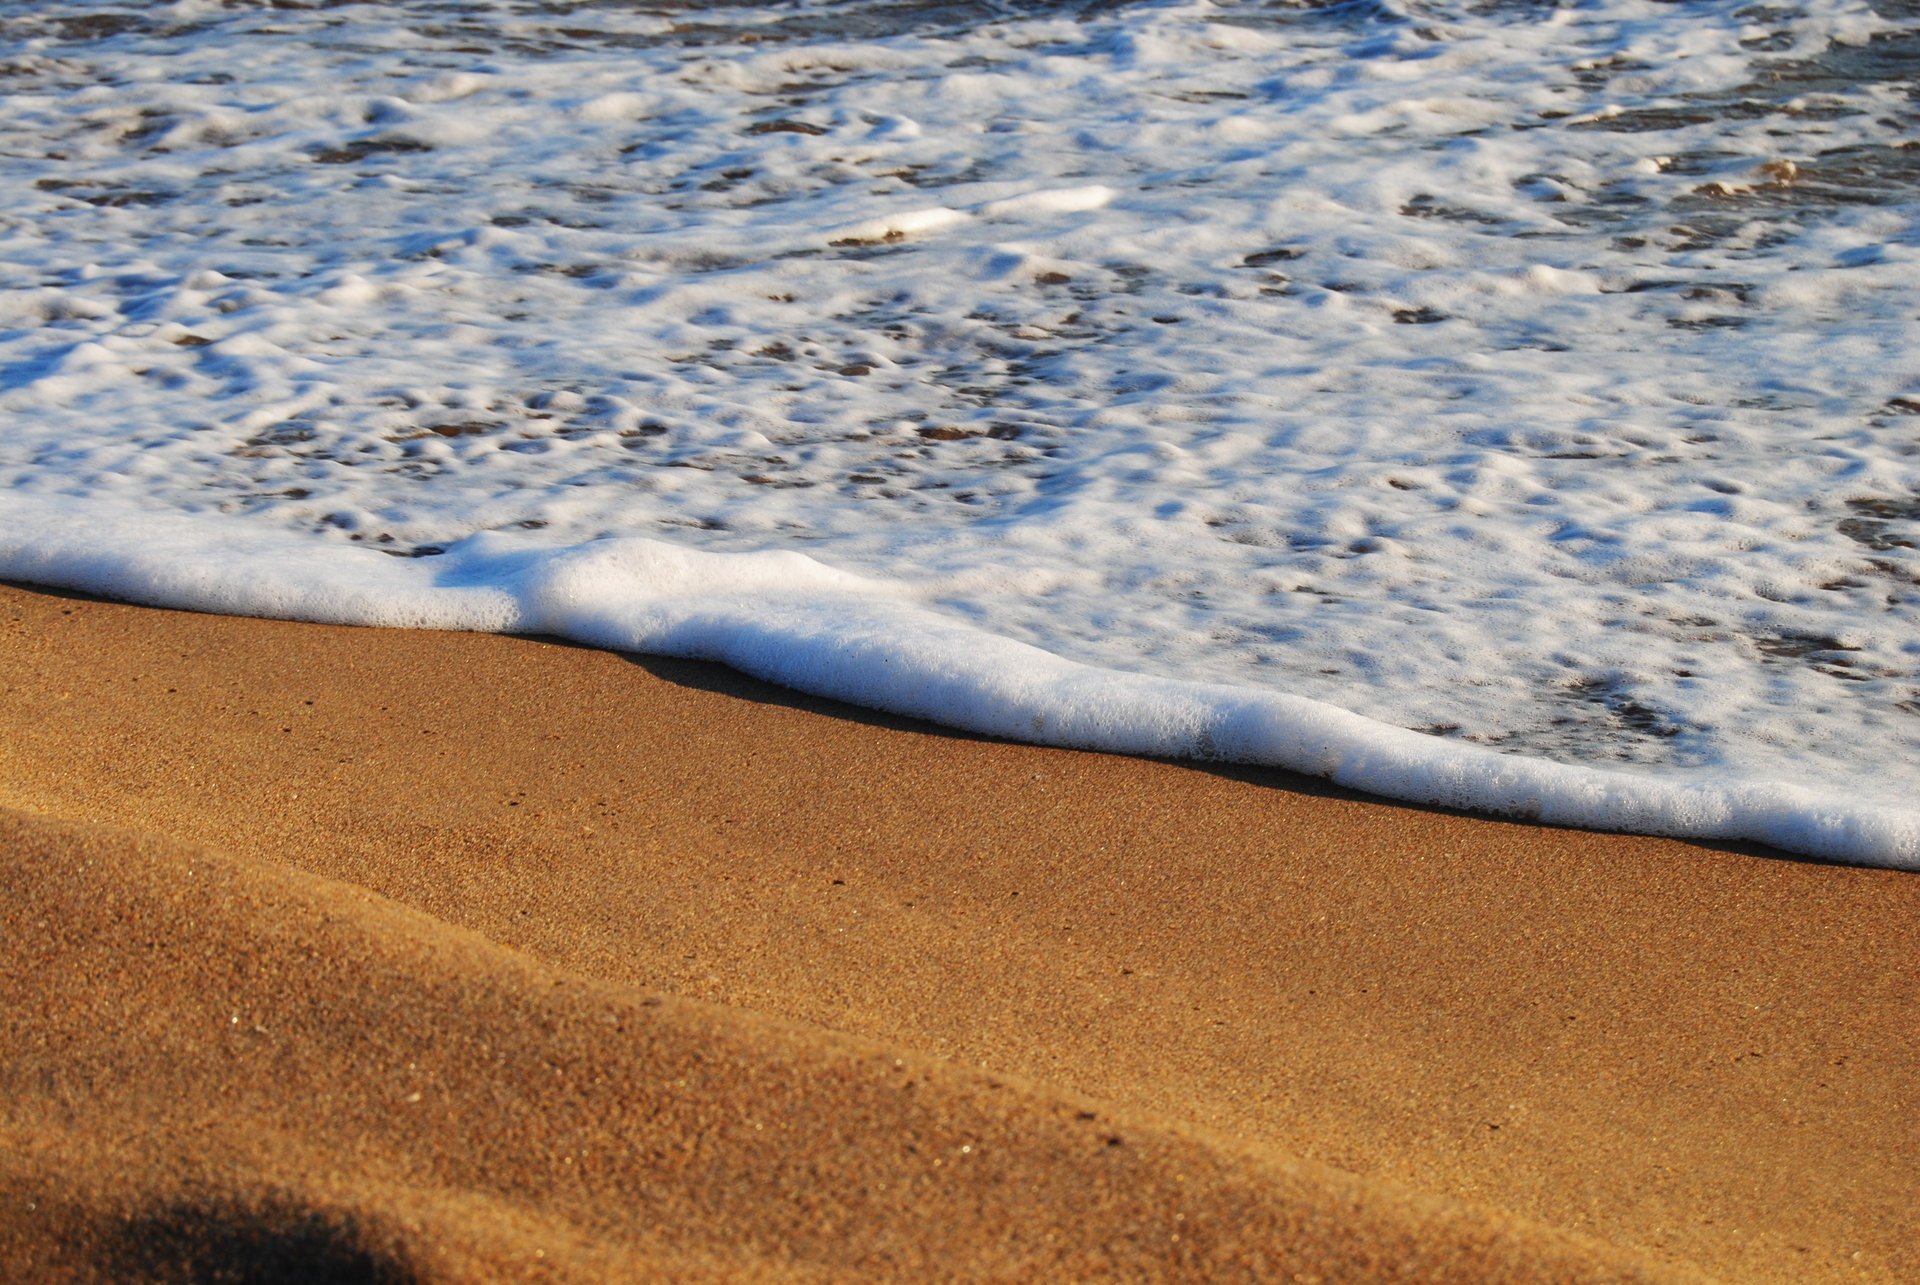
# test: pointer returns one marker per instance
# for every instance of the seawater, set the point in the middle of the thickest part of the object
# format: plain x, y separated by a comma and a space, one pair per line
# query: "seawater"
1510, 405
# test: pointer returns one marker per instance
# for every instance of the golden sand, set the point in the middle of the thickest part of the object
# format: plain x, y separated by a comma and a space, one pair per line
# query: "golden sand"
442, 956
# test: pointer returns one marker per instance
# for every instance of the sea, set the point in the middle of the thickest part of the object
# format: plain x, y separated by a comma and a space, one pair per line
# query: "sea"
1499, 404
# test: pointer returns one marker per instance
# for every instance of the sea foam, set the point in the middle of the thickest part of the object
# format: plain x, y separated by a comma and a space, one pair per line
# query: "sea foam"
1475, 403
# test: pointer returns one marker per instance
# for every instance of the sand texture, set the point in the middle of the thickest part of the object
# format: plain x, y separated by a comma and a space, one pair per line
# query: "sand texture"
450, 957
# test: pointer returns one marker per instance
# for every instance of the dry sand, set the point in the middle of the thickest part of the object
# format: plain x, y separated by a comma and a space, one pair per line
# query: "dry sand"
448, 957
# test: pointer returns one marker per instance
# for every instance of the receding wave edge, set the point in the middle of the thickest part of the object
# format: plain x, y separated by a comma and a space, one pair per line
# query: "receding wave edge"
788, 619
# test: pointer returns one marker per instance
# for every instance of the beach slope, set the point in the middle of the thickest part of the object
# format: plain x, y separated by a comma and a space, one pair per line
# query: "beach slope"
219, 1066
439, 956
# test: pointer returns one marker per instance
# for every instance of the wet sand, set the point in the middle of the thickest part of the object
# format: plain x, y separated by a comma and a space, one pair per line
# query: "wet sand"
440, 956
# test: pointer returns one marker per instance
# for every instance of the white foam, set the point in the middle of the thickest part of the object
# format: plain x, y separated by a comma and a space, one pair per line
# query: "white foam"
904, 223
1543, 383
1069, 200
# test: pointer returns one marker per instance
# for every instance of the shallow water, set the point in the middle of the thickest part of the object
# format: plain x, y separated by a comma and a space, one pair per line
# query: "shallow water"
1537, 377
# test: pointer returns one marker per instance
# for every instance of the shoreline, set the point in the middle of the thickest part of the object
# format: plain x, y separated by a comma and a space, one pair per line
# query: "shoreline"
784, 619
1697, 1057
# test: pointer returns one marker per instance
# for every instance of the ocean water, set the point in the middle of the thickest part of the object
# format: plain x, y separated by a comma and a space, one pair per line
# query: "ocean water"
1505, 404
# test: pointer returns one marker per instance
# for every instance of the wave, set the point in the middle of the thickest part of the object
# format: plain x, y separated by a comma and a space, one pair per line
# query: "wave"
791, 620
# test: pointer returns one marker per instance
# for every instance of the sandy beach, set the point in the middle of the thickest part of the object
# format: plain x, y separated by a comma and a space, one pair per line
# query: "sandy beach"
430, 956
